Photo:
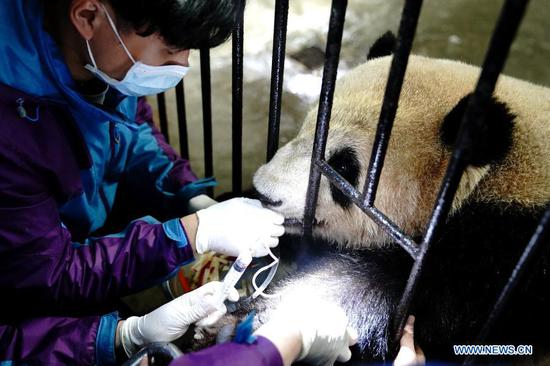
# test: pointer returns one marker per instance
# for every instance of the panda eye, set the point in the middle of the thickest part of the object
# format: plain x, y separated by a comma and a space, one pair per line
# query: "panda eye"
346, 163
342, 168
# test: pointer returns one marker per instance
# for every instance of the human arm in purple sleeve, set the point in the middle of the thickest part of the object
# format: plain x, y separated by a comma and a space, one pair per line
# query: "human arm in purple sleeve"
39, 260
59, 341
261, 353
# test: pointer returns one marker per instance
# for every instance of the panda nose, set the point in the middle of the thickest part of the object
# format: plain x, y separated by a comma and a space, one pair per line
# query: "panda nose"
266, 201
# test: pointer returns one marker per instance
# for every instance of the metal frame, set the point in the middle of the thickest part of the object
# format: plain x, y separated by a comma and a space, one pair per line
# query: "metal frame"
506, 27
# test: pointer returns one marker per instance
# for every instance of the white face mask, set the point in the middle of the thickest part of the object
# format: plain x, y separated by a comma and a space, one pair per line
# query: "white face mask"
141, 79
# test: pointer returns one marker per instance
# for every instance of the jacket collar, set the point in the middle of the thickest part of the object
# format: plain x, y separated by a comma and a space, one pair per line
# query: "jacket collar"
31, 62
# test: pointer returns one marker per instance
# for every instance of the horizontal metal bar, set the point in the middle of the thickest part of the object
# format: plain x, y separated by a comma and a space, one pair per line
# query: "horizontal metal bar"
206, 90
161, 104
332, 58
473, 119
277, 75
405, 36
237, 102
528, 258
182, 121
373, 213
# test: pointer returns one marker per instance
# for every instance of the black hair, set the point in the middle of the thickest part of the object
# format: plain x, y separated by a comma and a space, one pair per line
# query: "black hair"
182, 24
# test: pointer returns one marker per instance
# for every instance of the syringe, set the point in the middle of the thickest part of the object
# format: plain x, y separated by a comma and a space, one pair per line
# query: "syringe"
234, 274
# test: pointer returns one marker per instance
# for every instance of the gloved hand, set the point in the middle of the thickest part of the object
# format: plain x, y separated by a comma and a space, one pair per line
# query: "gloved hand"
239, 224
200, 202
171, 321
326, 335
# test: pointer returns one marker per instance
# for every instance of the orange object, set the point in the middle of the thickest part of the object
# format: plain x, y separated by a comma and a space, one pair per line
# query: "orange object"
183, 282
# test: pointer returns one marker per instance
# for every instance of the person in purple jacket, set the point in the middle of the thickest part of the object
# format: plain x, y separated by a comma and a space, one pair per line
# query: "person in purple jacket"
76, 140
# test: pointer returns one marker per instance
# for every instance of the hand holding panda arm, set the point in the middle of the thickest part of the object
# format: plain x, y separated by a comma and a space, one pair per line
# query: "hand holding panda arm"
318, 335
238, 225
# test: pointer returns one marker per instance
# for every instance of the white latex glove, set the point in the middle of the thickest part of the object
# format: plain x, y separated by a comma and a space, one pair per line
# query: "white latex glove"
171, 321
200, 202
326, 335
239, 224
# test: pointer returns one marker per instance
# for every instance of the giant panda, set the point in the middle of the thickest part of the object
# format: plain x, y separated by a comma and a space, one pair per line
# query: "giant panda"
500, 200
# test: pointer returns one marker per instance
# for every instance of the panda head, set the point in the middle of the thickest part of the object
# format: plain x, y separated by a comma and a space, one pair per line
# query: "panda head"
433, 99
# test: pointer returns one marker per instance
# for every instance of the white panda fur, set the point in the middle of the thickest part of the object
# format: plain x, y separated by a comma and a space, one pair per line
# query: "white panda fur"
495, 212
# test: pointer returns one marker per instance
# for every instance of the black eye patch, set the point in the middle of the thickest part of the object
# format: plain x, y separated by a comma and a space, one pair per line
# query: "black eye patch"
346, 163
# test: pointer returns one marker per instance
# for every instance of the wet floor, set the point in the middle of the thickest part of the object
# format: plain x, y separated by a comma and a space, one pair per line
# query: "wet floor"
456, 29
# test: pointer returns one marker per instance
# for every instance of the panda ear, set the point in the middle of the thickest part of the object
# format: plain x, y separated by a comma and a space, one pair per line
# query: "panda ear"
492, 141
383, 46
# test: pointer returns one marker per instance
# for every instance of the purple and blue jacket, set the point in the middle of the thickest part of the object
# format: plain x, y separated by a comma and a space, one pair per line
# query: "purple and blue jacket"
63, 164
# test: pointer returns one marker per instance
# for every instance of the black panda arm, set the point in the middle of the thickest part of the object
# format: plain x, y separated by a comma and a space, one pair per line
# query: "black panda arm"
466, 271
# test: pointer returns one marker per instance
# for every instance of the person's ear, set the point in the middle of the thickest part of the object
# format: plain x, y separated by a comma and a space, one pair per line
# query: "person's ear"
85, 15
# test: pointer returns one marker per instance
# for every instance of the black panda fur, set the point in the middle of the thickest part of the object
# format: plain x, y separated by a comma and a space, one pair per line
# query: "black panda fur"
463, 276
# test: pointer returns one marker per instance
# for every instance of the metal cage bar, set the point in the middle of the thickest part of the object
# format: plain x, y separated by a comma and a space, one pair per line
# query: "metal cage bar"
539, 238
206, 90
405, 36
182, 121
277, 75
237, 86
378, 217
501, 40
334, 43
163, 118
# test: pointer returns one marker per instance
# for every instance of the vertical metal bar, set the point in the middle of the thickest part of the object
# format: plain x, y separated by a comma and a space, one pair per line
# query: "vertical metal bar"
207, 114
539, 238
237, 84
405, 36
182, 121
277, 75
501, 40
334, 43
163, 116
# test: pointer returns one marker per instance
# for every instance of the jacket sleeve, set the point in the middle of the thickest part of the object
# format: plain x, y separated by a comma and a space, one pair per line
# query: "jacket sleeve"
152, 162
40, 262
260, 353
59, 341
